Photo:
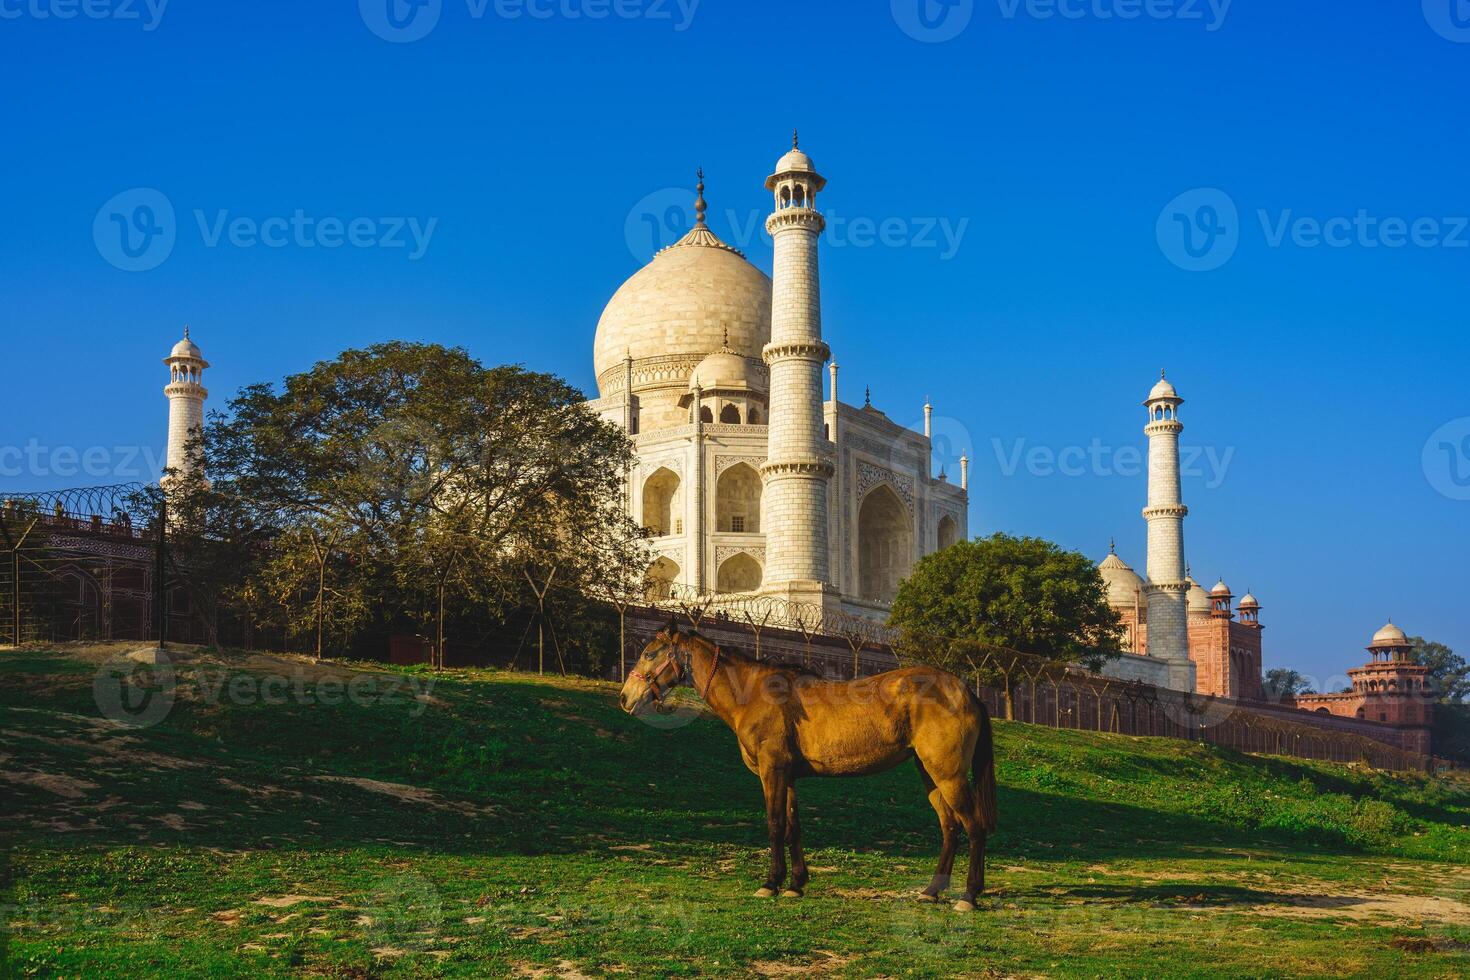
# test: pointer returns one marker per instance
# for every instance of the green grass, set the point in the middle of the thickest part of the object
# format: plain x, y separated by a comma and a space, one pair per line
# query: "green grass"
537, 831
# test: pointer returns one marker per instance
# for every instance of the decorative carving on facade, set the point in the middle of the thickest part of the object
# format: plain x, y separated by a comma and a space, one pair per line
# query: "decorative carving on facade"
723, 463
725, 552
870, 475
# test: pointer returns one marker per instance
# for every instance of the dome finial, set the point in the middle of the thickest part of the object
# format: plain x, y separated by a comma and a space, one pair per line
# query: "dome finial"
868, 396
796, 139
1112, 546
699, 205
186, 331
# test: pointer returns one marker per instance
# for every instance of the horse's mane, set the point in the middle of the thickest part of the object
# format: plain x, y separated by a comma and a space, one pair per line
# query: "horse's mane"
732, 653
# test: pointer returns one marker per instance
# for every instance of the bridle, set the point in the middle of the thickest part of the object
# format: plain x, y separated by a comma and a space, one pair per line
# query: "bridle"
679, 661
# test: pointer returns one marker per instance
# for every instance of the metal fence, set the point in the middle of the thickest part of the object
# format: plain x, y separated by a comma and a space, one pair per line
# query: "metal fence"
89, 565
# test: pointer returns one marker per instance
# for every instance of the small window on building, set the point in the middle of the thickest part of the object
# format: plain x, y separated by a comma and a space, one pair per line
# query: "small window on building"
678, 527
737, 524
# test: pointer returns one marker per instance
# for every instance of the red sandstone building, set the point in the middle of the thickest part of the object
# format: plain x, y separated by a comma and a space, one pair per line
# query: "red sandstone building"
1226, 651
1390, 688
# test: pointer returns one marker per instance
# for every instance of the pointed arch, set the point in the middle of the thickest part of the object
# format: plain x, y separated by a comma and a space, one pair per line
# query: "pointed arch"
661, 500
738, 500
885, 544
659, 581
739, 573
948, 532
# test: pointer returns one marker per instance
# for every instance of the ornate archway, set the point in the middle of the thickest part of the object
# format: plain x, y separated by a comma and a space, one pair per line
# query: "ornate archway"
661, 497
658, 582
949, 532
885, 544
739, 573
738, 500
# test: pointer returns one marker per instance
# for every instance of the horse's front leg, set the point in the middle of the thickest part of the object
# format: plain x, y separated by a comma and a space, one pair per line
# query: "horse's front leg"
793, 839
775, 781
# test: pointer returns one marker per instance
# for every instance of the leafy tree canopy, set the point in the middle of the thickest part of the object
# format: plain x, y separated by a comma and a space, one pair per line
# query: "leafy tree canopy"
1026, 594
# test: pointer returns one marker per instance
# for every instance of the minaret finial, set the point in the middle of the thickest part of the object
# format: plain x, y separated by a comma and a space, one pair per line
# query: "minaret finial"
726, 341
796, 139
1163, 375
186, 331
1112, 546
699, 205
868, 396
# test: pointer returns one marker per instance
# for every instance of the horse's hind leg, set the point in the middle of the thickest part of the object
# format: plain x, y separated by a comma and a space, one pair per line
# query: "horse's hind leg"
793, 839
961, 799
950, 828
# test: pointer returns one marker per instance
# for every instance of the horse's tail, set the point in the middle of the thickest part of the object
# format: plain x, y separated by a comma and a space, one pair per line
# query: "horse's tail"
982, 770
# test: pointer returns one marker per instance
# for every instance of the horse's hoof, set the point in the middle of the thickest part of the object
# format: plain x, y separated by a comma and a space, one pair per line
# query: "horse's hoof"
791, 893
928, 899
765, 893
964, 906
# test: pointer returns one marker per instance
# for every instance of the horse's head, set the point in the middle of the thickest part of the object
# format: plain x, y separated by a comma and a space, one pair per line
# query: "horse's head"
662, 667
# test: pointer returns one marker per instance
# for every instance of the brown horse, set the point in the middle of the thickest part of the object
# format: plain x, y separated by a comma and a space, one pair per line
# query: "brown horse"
791, 724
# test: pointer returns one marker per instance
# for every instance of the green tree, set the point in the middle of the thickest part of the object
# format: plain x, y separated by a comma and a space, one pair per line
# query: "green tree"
1282, 682
1448, 672
971, 606
401, 477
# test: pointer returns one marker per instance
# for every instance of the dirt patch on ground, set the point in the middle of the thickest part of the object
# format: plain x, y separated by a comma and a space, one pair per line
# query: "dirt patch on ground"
1401, 908
564, 970
68, 787
872, 894
408, 794
286, 901
823, 963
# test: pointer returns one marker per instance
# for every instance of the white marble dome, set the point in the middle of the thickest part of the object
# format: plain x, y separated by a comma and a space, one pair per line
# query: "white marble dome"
1123, 583
1198, 598
726, 370
693, 298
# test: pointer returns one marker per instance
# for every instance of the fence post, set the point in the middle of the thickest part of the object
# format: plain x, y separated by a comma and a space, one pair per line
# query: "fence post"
160, 609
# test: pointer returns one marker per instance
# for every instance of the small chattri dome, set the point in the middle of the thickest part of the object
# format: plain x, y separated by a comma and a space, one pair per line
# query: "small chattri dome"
796, 160
1122, 582
1163, 390
1220, 588
1199, 599
186, 349
1390, 636
1249, 601
724, 369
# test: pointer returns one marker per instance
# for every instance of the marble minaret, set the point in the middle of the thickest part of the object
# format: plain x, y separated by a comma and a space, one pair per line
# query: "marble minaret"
1168, 624
186, 396
798, 467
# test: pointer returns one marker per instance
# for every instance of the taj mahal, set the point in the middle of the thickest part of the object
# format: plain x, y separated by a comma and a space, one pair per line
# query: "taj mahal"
750, 476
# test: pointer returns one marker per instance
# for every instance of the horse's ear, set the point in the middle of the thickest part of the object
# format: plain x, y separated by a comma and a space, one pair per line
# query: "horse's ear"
673, 625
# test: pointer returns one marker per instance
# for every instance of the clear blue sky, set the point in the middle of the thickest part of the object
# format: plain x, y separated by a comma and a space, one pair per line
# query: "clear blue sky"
1056, 142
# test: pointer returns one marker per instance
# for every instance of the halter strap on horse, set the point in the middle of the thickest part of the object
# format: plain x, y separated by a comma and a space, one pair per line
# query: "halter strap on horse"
679, 659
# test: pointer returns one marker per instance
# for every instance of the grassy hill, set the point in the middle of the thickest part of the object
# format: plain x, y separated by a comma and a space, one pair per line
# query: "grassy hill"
499, 825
